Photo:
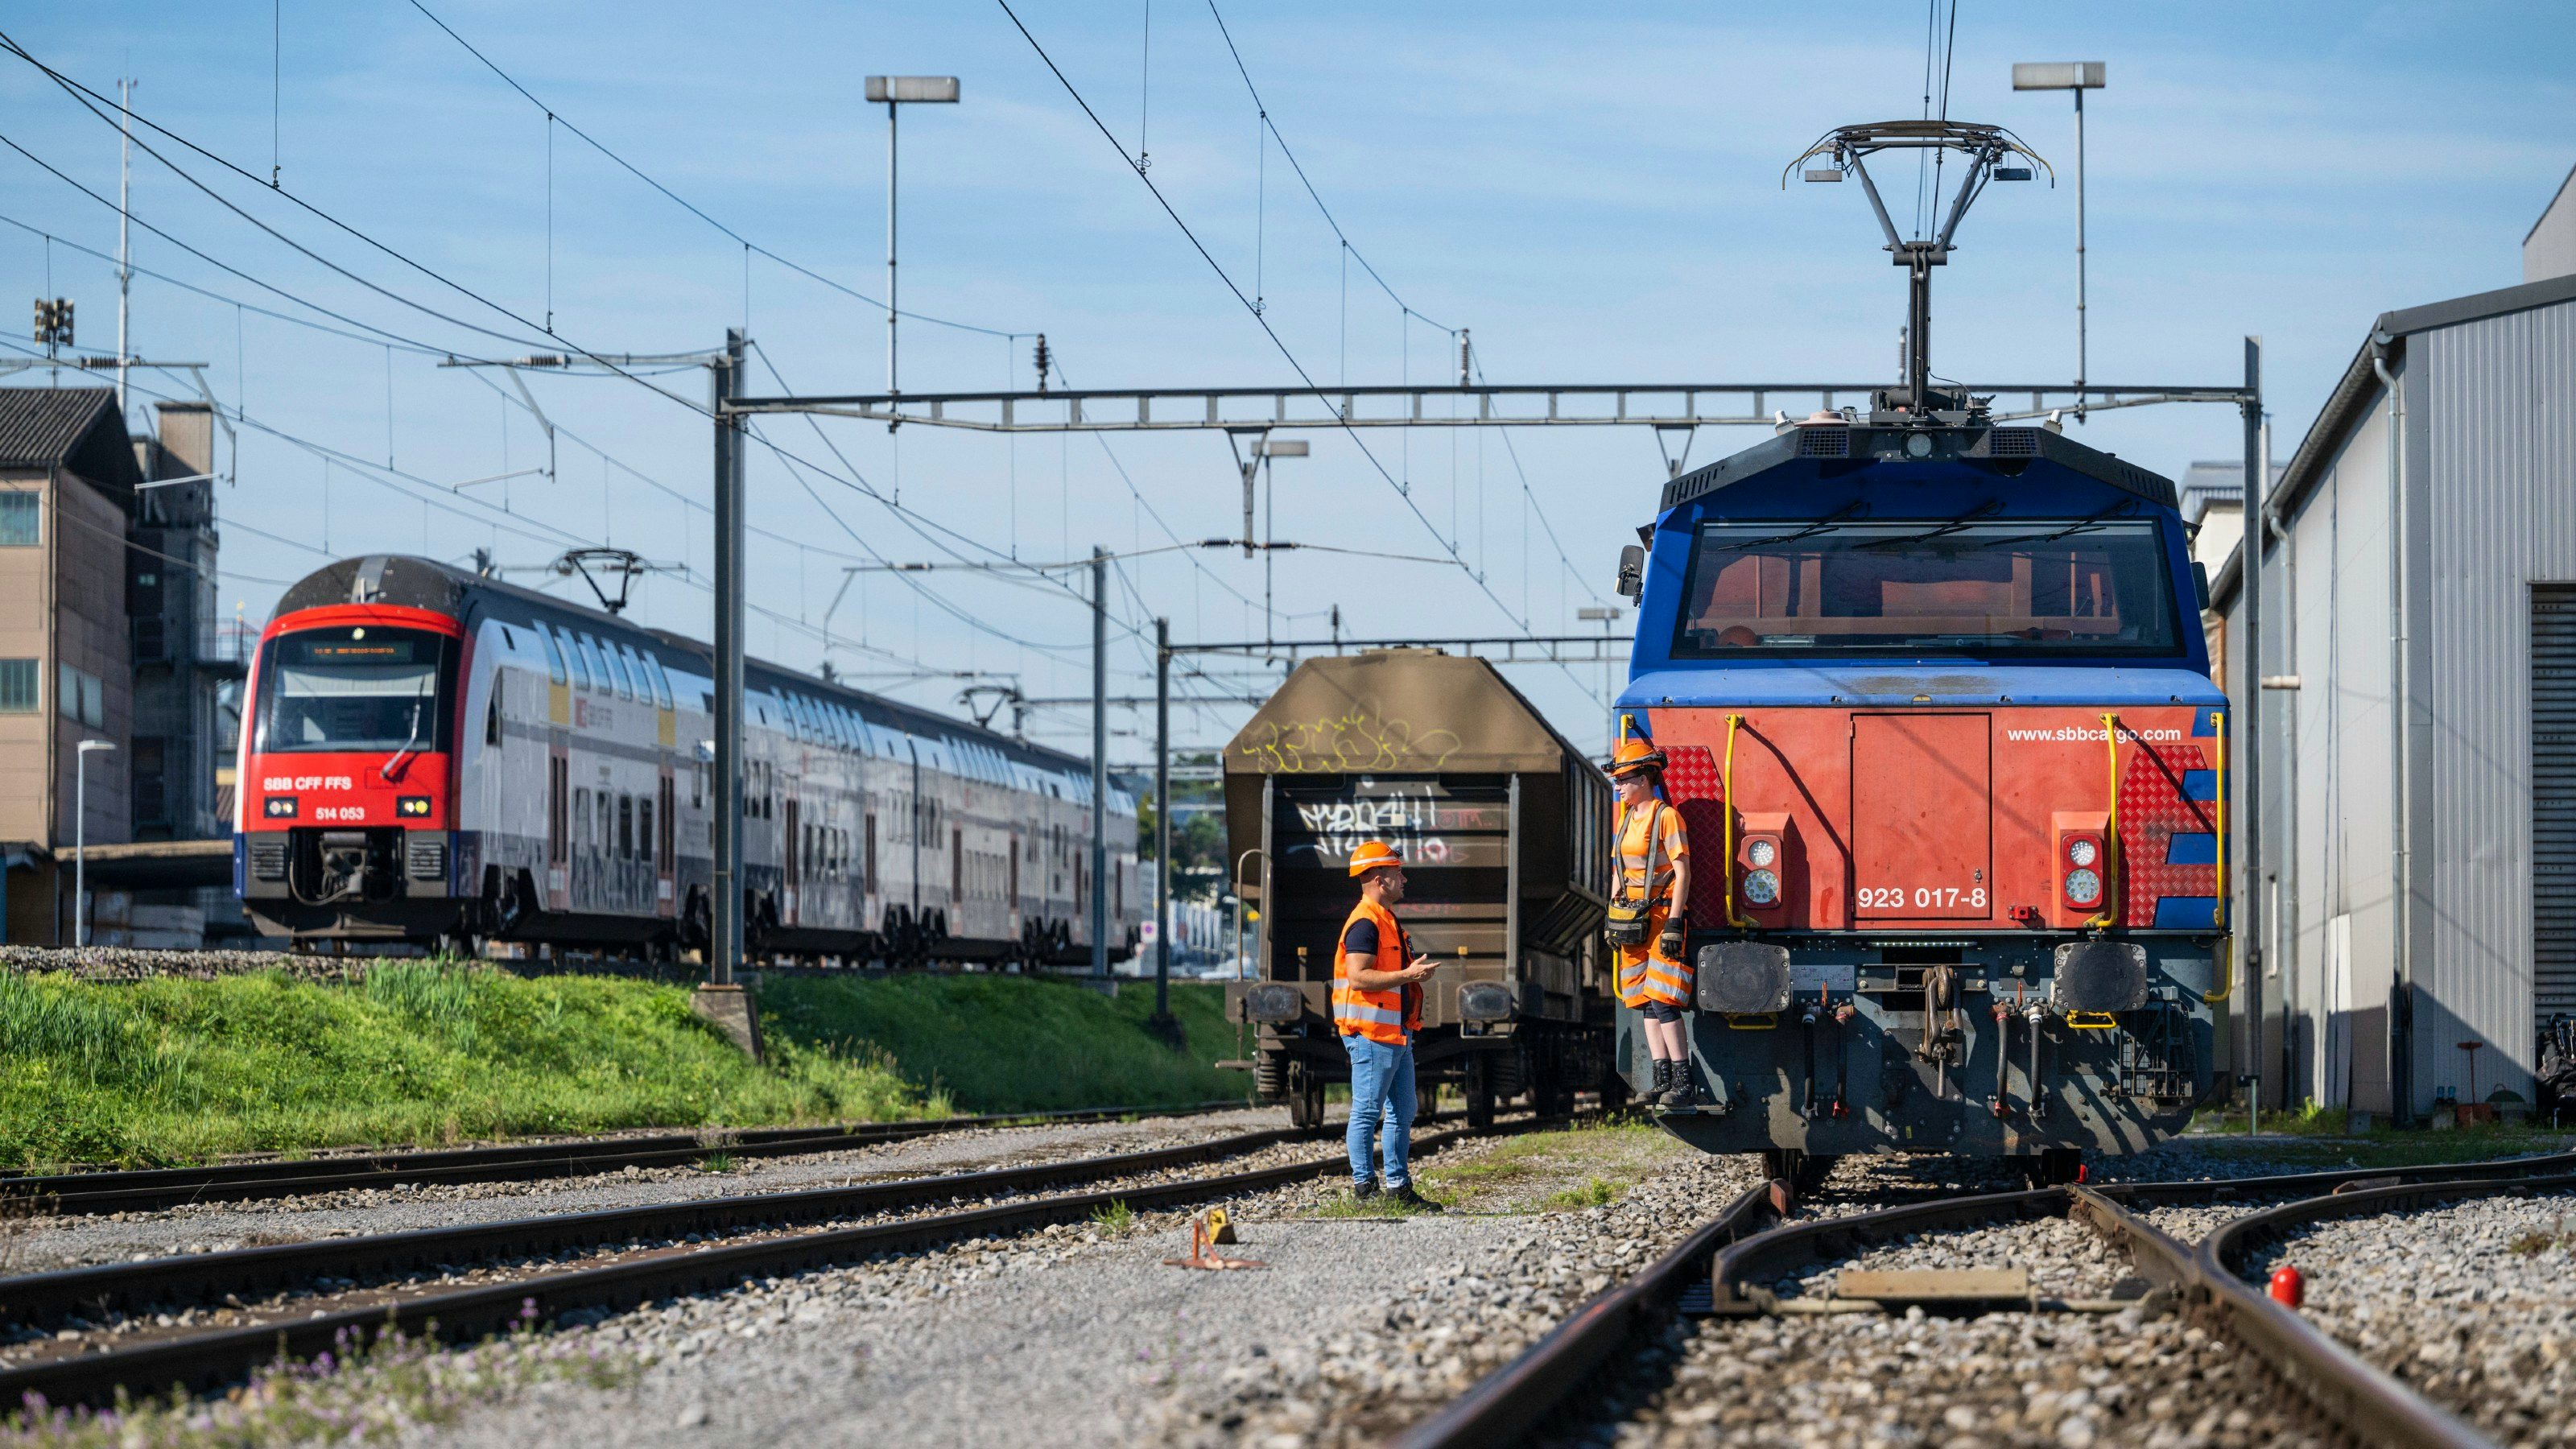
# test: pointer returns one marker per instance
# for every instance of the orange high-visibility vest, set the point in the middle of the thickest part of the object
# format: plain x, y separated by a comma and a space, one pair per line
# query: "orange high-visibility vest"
1648, 841
1390, 1017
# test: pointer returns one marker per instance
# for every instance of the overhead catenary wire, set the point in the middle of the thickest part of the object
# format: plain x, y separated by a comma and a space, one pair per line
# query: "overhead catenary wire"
630, 168
1276, 341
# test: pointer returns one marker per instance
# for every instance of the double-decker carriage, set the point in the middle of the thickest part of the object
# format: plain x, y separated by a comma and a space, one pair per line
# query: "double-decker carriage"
430, 755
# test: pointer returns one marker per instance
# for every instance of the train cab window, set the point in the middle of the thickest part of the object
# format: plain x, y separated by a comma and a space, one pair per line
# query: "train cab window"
2017, 587
554, 654
625, 827
364, 687
492, 718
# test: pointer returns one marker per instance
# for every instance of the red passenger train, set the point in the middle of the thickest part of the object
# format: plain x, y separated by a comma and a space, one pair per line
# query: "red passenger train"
434, 756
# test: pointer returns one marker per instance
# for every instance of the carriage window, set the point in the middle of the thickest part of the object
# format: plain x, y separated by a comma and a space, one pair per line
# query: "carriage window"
581, 819
554, 654
625, 827
617, 674
644, 830
661, 681
2005, 587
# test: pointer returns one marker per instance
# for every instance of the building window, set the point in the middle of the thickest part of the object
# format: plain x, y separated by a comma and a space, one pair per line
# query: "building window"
81, 697
22, 520
18, 686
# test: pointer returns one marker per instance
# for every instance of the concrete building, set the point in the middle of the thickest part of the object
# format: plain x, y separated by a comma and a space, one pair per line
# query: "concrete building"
183, 658
2549, 248
67, 494
2418, 876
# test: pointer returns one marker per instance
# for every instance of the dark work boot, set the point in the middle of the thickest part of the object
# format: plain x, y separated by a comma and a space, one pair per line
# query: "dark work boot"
1663, 1083
1364, 1189
1681, 1096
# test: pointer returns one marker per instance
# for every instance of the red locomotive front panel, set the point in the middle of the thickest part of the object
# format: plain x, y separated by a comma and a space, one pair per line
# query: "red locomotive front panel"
2001, 818
347, 777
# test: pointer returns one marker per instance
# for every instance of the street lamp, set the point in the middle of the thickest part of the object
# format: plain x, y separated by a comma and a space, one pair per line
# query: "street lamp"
1605, 617
895, 92
80, 838
2078, 76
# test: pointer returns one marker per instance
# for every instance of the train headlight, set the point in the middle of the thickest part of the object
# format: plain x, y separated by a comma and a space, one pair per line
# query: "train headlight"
278, 807
1761, 853
2082, 852
2083, 887
1761, 887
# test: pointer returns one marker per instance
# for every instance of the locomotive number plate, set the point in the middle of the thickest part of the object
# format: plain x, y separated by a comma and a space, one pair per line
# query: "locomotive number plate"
1806, 978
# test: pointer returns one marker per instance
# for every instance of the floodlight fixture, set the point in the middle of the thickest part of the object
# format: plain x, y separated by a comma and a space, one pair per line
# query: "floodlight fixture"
2058, 75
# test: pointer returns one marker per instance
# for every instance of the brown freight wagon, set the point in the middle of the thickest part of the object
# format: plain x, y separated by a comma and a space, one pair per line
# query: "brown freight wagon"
1504, 827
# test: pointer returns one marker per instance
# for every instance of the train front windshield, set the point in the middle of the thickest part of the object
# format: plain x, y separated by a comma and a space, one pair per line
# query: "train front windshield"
358, 688
1980, 588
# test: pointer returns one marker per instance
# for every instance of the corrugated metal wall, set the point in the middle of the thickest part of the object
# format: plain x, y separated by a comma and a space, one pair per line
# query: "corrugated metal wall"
2329, 624
2497, 430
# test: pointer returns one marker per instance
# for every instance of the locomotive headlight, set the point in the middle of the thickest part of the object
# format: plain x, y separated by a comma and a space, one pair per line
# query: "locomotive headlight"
1761, 853
2083, 887
278, 807
2082, 852
1761, 887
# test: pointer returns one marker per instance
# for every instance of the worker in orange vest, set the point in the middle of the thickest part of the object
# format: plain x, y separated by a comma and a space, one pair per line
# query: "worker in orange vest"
1377, 1007
1653, 880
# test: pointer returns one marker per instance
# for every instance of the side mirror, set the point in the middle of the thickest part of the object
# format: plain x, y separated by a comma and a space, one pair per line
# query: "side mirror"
1632, 572
2200, 583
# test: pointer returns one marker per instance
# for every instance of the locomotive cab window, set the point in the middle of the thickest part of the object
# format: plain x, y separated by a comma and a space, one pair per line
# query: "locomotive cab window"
361, 688
1996, 587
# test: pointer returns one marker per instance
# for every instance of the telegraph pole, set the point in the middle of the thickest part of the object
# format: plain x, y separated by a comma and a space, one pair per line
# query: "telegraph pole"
124, 231
724, 951
1161, 1021
1099, 761
2250, 722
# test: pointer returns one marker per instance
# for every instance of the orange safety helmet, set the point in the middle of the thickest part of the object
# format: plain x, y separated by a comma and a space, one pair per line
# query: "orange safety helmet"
1635, 753
1372, 855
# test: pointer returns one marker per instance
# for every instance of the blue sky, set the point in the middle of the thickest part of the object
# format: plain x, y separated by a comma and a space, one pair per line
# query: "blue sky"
1597, 200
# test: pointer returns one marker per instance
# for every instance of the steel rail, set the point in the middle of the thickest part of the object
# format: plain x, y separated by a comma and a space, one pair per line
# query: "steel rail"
1508, 1403
200, 1361
45, 1299
149, 1189
2371, 1405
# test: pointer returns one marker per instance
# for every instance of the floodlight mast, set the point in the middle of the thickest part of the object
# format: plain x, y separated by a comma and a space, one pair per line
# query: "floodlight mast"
1985, 149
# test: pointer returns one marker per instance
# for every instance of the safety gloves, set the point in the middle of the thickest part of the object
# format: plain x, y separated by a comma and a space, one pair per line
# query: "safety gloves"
1674, 940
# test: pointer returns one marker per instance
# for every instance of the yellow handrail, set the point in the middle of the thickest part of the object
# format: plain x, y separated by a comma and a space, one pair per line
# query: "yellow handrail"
2218, 915
2111, 838
1726, 808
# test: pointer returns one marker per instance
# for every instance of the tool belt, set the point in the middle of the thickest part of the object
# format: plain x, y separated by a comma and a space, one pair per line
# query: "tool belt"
1628, 923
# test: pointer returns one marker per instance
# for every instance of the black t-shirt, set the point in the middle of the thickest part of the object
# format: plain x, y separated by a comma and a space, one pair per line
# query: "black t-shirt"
1361, 940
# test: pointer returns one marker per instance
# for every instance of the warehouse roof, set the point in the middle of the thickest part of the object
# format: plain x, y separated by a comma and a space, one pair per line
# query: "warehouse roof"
2358, 389
74, 428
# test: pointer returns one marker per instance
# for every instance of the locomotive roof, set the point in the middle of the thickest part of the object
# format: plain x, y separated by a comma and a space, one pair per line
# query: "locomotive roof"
1397, 712
420, 583
2008, 452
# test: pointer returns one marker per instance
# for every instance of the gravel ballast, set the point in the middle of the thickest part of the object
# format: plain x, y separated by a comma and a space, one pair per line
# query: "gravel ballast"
2473, 1305
38, 1243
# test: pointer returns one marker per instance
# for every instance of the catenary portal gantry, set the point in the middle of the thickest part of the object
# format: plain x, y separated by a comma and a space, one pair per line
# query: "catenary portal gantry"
1259, 409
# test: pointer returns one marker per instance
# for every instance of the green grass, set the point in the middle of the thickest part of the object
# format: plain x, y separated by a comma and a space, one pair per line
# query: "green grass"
1115, 1220
1014, 1043
1591, 1193
170, 1070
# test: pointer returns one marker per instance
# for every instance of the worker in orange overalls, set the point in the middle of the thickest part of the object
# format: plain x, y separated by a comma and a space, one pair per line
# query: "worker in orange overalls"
1654, 972
1377, 1007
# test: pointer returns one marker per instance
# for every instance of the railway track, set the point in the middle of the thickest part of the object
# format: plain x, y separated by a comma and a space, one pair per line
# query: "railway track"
555, 1265
153, 1189
1731, 1269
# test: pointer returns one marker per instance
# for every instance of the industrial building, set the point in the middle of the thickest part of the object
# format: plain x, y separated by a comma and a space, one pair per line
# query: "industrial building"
108, 638
2418, 871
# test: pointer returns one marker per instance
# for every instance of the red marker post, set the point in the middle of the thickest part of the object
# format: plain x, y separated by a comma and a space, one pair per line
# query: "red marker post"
2289, 1288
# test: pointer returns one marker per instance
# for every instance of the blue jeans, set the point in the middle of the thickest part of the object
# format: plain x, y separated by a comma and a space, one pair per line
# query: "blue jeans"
1381, 1091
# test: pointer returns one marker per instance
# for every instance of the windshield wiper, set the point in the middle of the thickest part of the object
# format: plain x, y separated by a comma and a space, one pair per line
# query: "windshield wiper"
2116, 510
387, 770
1852, 509
1983, 510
